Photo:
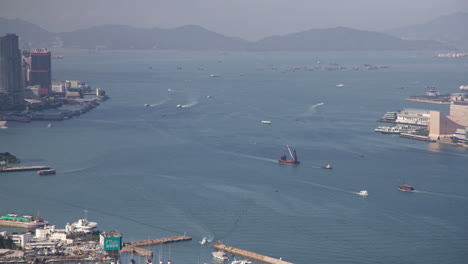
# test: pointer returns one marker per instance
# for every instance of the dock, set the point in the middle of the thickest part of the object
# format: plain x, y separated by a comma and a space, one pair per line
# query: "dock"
29, 168
135, 247
137, 250
250, 255
160, 241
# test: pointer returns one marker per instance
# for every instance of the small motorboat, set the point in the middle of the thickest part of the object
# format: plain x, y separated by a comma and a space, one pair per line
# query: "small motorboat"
328, 166
405, 188
204, 241
363, 193
266, 122
179, 106
147, 105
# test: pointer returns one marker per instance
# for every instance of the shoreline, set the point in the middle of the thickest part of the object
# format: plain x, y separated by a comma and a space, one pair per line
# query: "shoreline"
427, 101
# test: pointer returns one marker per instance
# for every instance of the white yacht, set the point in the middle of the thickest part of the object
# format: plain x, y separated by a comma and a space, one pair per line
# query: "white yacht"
363, 193
220, 255
82, 225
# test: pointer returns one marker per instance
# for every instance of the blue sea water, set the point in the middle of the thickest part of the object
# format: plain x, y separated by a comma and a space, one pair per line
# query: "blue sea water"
209, 169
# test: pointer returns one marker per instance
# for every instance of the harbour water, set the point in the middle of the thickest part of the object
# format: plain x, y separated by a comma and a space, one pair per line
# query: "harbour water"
210, 170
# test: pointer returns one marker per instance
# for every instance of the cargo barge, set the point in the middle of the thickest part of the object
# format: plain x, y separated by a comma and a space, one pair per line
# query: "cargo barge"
25, 221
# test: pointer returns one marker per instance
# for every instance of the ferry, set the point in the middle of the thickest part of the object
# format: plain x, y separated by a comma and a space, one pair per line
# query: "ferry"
405, 188
46, 172
463, 87
25, 221
221, 255
293, 161
394, 130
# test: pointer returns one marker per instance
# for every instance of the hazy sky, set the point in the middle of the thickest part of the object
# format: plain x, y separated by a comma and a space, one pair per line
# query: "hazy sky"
248, 19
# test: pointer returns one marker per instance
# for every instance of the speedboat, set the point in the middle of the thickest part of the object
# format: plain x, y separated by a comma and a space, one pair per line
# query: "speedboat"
179, 106
220, 255
147, 105
363, 193
405, 188
266, 122
204, 241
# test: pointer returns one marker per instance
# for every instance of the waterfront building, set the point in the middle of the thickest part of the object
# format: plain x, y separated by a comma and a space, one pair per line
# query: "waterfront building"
11, 85
21, 239
442, 126
40, 73
413, 116
459, 109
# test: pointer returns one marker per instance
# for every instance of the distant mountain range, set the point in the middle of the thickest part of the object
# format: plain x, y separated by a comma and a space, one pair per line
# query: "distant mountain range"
197, 38
450, 30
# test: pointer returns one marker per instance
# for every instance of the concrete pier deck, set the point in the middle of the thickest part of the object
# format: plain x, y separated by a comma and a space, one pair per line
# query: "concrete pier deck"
160, 241
250, 255
136, 246
29, 168
138, 250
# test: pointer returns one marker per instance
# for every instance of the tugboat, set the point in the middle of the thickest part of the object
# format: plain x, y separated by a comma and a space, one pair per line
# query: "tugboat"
293, 161
405, 188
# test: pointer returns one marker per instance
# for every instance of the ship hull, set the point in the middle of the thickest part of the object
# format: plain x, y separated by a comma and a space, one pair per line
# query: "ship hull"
289, 162
23, 225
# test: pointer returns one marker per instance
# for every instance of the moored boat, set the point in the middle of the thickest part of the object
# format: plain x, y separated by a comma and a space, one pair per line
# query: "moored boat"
221, 255
293, 161
46, 172
405, 188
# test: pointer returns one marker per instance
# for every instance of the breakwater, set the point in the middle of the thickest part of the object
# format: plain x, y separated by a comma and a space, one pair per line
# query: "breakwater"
250, 255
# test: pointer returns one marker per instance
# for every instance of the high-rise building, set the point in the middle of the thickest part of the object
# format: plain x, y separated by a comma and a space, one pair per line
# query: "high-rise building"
11, 85
40, 73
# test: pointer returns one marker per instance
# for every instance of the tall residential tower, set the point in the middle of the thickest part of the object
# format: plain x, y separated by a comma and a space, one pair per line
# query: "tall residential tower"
11, 85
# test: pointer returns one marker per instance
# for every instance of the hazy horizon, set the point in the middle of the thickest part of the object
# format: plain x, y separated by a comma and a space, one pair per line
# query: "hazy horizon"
250, 20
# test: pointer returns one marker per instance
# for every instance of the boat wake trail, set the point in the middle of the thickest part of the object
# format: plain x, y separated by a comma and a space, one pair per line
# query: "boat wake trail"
159, 103
329, 187
312, 110
249, 156
442, 194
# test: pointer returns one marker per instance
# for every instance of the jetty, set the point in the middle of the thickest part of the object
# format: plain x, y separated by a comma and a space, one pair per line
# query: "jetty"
136, 246
160, 241
250, 255
138, 250
28, 168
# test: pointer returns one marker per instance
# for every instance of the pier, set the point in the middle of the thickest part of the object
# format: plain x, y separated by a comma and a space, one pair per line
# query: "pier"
160, 241
250, 255
138, 250
29, 168
136, 246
